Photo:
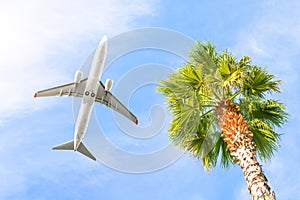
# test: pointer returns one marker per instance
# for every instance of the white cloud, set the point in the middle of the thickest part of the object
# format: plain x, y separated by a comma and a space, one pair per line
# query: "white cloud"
272, 30
35, 33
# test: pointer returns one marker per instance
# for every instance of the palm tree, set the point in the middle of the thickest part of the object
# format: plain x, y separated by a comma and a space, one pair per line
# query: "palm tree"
221, 113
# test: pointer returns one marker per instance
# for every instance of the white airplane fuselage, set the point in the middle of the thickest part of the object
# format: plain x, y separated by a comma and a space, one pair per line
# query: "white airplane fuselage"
91, 90
90, 93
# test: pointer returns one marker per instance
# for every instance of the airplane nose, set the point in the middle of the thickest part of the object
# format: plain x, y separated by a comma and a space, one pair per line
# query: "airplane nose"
103, 40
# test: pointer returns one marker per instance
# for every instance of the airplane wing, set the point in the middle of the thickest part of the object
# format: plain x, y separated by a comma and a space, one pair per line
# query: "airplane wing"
71, 89
108, 99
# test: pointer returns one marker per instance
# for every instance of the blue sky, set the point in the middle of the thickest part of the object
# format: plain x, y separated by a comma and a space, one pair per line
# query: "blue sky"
43, 43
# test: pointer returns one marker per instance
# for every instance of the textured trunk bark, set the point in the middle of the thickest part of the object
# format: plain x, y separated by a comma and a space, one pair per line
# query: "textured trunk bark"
236, 134
256, 180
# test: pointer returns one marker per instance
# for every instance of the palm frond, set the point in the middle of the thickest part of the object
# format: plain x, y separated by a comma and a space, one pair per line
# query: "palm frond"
271, 111
264, 137
220, 150
202, 144
258, 82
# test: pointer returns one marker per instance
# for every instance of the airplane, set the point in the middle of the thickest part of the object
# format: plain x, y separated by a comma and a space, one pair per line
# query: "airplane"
91, 90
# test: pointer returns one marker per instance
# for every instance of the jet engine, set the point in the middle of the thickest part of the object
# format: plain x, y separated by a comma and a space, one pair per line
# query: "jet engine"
78, 76
108, 84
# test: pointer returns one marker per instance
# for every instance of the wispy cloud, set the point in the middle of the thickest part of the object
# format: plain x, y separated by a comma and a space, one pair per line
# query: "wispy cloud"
274, 31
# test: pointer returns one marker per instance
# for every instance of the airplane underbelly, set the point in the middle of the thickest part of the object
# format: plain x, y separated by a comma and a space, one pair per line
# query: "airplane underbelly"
91, 90
82, 121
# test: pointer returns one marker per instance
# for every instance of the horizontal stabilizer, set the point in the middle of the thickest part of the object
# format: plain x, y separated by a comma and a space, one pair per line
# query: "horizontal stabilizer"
65, 146
70, 146
82, 149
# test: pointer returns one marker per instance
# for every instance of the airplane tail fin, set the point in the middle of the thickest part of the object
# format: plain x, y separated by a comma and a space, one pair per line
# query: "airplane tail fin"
70, 146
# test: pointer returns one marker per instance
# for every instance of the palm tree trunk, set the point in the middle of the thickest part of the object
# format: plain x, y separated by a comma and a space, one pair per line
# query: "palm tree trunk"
236, 134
